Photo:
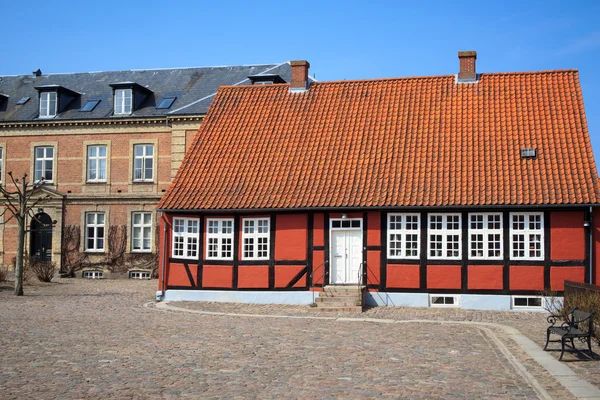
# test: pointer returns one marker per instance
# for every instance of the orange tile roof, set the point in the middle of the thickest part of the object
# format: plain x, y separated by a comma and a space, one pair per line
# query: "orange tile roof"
392, 143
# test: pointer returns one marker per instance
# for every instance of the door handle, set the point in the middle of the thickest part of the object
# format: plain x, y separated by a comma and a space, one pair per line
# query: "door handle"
338, 256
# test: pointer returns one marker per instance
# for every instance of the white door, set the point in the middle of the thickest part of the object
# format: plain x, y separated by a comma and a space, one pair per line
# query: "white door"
346, 256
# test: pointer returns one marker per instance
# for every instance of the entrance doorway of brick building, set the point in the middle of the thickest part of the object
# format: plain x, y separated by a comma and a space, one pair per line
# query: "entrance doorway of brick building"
41, 237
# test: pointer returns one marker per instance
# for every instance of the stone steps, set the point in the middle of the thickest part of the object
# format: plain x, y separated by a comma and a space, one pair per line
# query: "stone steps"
339, 299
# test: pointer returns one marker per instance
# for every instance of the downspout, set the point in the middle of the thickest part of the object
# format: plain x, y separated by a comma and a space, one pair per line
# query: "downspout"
164, 261
591, 233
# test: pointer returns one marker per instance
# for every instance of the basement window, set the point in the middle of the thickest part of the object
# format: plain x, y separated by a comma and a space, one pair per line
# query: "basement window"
529, 152
438, 300
527, 302
92, 274
139, 274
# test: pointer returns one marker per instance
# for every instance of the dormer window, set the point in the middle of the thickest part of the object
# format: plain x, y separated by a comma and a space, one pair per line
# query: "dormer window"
123, 101
47, 104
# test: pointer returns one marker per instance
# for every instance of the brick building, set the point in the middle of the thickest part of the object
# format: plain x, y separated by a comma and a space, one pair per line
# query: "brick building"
475, 190
107, 145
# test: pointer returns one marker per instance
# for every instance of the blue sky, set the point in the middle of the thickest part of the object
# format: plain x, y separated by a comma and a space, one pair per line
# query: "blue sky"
342, 40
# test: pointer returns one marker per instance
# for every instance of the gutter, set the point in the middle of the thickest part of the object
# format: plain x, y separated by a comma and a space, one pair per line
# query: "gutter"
164, 261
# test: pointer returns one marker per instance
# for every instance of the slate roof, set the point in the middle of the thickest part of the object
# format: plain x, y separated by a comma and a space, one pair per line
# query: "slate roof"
193, 87
425, 141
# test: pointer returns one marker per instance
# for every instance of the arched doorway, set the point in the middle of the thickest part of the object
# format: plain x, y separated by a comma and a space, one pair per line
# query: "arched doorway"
41, 237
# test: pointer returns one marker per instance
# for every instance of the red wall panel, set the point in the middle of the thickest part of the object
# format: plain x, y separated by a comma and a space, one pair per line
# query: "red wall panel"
403, 276
285, 273
374, 229
485, 277
179, 277
318, 230
253, 276
291, 237
558, 276
444, 276
526, 278
373, 267
567, 235
318, 258
217, 276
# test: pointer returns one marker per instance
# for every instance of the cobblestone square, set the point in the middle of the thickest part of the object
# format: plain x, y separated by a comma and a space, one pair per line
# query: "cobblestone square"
105, 339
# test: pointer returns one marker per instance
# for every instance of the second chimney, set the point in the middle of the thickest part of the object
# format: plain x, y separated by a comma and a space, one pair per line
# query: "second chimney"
299, 81
467, 72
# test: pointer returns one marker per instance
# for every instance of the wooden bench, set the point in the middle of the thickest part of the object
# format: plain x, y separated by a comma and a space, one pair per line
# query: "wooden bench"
577, 325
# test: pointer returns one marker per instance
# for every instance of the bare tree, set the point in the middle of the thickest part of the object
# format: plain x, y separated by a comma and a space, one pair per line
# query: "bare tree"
20, 204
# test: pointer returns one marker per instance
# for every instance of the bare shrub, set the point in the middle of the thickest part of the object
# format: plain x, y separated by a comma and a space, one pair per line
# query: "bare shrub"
117, 244
44, 270
73, 260
3, 272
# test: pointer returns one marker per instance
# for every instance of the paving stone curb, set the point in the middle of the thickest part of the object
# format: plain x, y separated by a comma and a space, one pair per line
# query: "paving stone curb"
580, 388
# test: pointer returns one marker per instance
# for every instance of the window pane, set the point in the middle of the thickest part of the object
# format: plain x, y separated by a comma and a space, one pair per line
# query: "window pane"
137, 218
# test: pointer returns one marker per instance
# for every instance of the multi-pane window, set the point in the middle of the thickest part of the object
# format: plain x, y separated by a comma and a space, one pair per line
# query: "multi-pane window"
94, 231
1, 159
444, 232
403, 235
255, 239
143, 162
185, 237
123, 101
219, 238
141, 235
526, 236
96, 163
47, 104
485, 236
44, 163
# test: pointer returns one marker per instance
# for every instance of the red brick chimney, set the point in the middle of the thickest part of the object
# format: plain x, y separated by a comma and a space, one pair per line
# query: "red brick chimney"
299, 81
467, 70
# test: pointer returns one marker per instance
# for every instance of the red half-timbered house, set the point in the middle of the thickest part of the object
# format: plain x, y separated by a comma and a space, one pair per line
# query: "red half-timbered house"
469, 190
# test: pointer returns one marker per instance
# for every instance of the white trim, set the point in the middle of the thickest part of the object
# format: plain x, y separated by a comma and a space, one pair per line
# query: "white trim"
97, 158
95, 225
345, 224
402, 233
46, 98
526, 232
256, 233
485, 231
219, 238
43, 159
443, 232
185, 242
144, 157
92, 275
2, 156
121, 106
528, 298
449, 300
140, 274
143, 228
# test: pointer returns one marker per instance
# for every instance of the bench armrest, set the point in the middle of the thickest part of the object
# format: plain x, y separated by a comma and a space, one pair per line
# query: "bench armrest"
568, 317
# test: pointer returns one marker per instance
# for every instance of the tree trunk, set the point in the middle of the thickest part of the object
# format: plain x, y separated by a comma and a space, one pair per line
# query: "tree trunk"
19, 260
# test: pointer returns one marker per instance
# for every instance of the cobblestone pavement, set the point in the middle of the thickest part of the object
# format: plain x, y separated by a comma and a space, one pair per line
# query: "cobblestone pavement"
95, 339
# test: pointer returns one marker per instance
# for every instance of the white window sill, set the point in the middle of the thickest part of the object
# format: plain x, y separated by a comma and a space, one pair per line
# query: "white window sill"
144, 181
94, 251
95, 181
149, 251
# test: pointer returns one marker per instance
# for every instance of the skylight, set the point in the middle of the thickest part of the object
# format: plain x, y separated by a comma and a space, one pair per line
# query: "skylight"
89, 106
23, 100
166, 102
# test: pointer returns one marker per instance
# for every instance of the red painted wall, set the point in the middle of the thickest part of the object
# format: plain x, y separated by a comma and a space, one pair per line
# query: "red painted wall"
179, 277
318, 258
567, 235
485, 277
444, 276
526, 278
318, 230
558, 276
253, 276
285, 273
291, 237
217, 276
374, 229
403, 276
373, 267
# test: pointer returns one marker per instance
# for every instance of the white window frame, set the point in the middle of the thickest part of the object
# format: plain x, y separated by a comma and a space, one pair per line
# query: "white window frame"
528, 307
485, 230
95, 225
143, 228
526, 232
123, 101
444, 232
255, 238
1, 162
403, 232
345, 224
48, 104
140, 274
447, 297
188, 237
222, 238
97, 158
43, 159
93, 275
143, 159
